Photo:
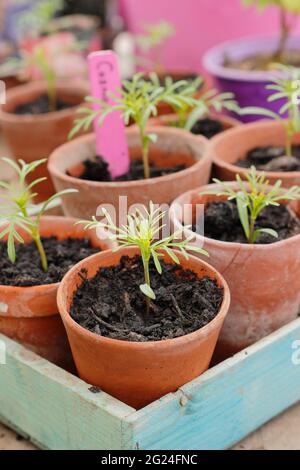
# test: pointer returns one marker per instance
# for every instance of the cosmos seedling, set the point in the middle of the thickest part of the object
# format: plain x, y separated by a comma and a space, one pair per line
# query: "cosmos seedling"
29, 63
18, 207
286, 8
37, 19
143, 230
137, 101
252, 198
153, 41
286, 89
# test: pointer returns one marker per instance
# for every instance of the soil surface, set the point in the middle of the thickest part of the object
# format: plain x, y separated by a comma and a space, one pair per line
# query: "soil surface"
271, 159
27, 270
40, 106
264, 62
97, 170
207, 127
112, 305
221, 222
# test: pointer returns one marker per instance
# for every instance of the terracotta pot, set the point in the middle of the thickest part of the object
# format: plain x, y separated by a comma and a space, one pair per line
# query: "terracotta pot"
173, 147
29, 315
34, 137
264, 280
138, 373
168, 119
233, 145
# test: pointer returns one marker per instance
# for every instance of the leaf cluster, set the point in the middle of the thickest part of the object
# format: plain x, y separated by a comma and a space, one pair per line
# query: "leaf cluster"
155, 35
37, 19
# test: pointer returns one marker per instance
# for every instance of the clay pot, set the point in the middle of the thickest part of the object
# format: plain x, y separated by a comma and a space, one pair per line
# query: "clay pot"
33, 137
138, 373
173, 147
169, 119
264, 280
10, 81
29, 315
233, 145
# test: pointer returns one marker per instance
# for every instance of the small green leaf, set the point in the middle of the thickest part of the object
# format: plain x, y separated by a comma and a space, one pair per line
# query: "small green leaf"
147, 291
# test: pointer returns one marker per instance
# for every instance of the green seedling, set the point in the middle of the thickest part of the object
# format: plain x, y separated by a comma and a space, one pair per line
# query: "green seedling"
137, 101
252, 197
17, 209
211, 101
143, 230
38, 18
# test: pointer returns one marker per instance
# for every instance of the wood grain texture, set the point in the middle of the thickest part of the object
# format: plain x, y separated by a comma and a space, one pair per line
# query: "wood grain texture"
54, 408
227, 403
215, 411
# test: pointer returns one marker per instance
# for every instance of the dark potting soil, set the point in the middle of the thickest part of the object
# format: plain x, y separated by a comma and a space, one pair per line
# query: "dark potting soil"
97, 170
221, 222
40, 106
112, 305
264, 62
272, 159
27, 271
207, 127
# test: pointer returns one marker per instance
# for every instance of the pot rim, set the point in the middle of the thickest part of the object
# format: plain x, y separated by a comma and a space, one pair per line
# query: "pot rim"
212, 58
43, 287
246, 128
149, 344
89, 138
218, 243
36, 87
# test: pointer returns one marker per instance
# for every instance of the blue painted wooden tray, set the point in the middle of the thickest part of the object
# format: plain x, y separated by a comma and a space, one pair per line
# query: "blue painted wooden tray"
56, 410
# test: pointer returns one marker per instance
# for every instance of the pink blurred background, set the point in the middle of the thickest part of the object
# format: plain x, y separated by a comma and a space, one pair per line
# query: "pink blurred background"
200, 24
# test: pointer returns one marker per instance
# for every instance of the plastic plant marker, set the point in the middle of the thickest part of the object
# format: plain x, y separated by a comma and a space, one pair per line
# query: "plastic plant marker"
111, 143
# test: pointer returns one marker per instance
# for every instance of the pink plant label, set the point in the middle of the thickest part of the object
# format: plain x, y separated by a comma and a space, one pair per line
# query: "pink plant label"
111, 142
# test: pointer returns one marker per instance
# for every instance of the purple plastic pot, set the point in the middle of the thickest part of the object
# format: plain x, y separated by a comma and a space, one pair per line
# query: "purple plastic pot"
249, 87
